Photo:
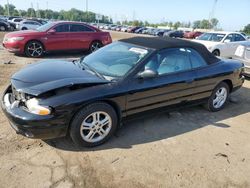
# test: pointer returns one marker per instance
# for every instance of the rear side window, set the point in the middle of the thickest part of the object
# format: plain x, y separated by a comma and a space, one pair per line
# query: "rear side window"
238, 37
196, 59
62, 28
80, 28
170, 61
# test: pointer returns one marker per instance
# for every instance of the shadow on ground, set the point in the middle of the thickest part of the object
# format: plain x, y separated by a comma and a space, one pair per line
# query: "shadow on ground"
166, 125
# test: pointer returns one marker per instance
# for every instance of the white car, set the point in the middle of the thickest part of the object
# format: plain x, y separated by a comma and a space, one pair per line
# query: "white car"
221, 43
28, 25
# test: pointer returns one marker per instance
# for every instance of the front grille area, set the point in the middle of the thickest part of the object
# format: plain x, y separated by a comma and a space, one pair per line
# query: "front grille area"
16, 95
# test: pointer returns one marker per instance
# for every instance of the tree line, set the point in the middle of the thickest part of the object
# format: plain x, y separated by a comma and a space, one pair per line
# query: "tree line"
71, 15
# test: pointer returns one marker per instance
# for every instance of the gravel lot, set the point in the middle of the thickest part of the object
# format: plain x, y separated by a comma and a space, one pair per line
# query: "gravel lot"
188, 148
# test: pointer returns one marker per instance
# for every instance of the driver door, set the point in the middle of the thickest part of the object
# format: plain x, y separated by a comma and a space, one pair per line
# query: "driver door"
60, 40
174, 84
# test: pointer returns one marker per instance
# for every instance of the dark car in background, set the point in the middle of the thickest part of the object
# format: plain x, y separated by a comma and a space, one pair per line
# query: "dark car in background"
174, 34
87, 99
56, 36
4, 25
133, 29
242, 54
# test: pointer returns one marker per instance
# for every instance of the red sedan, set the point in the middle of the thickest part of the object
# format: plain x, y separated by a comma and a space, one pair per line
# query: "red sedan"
192, 35
56, 36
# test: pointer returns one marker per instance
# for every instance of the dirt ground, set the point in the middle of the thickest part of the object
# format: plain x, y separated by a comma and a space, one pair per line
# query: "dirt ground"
188, 148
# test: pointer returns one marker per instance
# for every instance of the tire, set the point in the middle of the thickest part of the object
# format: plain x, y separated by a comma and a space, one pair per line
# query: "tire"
216, 53
89, 135
95, 46
24, 28
34, 49
2, 28
217, 102
12, 28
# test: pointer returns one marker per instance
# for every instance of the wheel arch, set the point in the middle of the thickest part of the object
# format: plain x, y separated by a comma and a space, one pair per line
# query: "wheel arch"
113, 104
229, 83
36, 40
217, 49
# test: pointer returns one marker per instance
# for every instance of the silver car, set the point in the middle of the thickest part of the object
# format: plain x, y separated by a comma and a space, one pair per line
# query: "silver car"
28, 25
242, 53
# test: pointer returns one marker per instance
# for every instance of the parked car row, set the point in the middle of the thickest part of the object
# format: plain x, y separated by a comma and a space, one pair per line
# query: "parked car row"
149, 30
18, 23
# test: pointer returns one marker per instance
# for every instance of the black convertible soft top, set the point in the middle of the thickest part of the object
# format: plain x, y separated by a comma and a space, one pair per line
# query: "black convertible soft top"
159, 43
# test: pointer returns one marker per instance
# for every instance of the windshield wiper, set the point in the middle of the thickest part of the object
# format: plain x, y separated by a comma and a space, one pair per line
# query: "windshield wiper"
86, 66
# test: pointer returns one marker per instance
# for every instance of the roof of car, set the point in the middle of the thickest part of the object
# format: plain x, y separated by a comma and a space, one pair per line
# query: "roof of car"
159, 43
223, 32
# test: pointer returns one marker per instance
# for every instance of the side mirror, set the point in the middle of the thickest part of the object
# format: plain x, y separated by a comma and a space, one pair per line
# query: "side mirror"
148, 73
52, 31
227, 41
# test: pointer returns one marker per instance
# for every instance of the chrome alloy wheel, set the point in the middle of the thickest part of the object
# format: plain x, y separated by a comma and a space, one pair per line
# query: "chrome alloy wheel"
35, 49
95, 46
220, 97
95, 127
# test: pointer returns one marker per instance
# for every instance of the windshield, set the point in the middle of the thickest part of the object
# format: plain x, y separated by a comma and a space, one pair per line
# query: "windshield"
115, 60
215, 37
45, 27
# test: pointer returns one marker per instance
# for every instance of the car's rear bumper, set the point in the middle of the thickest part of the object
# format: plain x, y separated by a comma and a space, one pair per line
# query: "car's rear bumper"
31, 125
246, 65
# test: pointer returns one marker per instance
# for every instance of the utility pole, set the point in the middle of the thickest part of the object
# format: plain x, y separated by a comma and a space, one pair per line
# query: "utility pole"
37, 10
32, 8
212, 13
47, 6
8, 7
87, 9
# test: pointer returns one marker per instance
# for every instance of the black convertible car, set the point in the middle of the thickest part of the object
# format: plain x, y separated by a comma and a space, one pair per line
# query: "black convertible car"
88, 98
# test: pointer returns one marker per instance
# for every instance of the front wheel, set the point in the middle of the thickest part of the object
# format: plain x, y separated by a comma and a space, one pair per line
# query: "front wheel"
93, 125
218, 98
34, 49
95, 46
216, 53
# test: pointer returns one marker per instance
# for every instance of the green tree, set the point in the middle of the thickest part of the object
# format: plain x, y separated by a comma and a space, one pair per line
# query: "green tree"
214, 22
31, 13
205, 24
247, 29
12, 10
1, 10
170, 24
177, 25
196, 24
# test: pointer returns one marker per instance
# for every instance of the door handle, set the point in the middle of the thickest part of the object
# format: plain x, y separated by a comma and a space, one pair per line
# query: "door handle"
189, 81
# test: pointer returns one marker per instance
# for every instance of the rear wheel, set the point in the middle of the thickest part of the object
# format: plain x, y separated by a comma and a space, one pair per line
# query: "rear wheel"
218, 98
12, 28
93, 125
2, 28
95, 46
34, 49
216, 52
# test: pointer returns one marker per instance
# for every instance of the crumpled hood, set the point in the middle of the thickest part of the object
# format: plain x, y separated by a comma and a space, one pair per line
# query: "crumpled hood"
48, 75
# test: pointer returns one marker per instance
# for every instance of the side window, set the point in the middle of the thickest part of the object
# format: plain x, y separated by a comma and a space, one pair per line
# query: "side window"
238, 37
80, 28
230, 37
170, 61
62, 28
196, 59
